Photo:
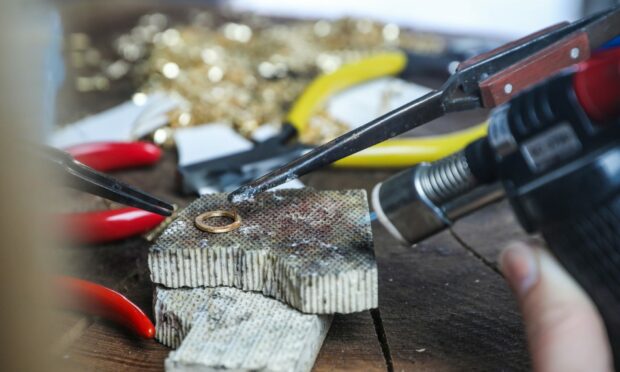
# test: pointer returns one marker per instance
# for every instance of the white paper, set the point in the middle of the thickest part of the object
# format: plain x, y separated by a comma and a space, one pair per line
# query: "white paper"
264, 132
364, 102
206, 142
125, 122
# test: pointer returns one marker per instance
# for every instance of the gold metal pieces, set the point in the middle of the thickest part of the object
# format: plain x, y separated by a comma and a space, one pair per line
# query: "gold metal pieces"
244, 71
202, 221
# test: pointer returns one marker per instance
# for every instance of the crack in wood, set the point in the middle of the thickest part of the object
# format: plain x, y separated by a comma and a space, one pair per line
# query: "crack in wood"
443, 309
68, 338
382, 337
477, 255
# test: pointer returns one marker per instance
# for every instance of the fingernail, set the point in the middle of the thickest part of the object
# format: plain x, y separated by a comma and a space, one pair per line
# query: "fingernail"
520, 266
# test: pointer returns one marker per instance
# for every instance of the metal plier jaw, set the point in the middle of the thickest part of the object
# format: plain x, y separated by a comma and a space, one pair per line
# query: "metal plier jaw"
84, 178
227, 173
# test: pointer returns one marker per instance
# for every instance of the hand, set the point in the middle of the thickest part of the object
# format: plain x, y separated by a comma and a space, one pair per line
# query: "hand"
564, 330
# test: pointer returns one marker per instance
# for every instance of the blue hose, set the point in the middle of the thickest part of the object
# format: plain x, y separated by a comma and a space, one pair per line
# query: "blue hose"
612, 44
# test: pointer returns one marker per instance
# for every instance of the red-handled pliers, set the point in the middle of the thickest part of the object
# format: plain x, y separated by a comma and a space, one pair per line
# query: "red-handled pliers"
95, 299
111, 225
110, 156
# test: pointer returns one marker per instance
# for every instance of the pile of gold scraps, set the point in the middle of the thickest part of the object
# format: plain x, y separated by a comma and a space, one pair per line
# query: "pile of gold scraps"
245, 72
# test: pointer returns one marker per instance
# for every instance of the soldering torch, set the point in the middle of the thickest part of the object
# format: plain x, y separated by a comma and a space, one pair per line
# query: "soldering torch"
554, 152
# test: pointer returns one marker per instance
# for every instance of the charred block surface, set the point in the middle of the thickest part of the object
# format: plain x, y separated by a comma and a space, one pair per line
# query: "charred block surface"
310, 249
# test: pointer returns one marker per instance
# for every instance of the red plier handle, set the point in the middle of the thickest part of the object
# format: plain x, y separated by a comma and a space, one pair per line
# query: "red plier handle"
95, 299
110, 156
111, 225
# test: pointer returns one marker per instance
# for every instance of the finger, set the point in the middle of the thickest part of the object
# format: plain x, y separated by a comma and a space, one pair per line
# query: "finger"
565, 331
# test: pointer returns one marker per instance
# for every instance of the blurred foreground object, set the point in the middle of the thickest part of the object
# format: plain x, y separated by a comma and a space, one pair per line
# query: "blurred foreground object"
27, 34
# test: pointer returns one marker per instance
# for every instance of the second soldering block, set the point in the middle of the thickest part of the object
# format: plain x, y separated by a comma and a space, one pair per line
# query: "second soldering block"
310, 249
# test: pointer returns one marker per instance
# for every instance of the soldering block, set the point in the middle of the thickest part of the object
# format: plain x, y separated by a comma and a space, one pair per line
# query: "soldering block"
310, 249
224, 328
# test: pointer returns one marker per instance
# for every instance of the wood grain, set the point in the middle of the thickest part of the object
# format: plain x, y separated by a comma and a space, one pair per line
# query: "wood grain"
68, 328
489, 230
444, 310
351, 345
106, 347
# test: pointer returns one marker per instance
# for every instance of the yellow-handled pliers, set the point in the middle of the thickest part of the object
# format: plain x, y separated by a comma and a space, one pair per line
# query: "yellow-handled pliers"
228, 172
393, 153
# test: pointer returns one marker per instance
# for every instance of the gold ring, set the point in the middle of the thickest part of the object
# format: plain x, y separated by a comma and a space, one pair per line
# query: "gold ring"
200, 221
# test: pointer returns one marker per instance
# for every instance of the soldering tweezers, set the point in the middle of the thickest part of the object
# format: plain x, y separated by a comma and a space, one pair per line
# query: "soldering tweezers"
487, 81
84, 178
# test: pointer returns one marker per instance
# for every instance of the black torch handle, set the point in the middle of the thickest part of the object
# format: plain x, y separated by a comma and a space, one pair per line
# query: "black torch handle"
588, 245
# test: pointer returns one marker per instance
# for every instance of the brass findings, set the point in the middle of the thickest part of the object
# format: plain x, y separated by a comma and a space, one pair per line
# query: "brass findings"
201, 221
245, 71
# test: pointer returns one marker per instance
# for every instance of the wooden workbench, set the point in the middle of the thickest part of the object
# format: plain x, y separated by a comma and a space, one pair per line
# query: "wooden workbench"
444, 305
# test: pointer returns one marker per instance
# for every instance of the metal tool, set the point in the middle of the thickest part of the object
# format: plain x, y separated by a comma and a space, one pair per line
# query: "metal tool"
81, 177
554, 151
229, 172
109, 225
487, 81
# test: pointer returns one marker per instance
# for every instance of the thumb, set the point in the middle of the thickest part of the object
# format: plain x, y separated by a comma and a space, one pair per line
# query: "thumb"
565, 331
